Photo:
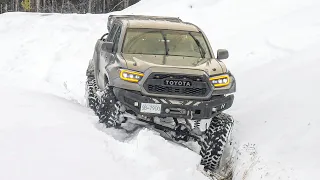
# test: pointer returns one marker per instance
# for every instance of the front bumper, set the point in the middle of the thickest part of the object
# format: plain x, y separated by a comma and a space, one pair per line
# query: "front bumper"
170, 107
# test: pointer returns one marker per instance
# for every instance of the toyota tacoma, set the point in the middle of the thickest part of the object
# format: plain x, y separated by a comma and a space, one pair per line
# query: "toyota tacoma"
161, 72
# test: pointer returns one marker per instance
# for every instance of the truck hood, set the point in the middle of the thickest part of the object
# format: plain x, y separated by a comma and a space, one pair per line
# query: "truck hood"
140, 62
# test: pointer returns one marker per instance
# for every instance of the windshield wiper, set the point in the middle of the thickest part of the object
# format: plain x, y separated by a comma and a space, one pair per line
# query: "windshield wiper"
202, 51
165, 43
166, 47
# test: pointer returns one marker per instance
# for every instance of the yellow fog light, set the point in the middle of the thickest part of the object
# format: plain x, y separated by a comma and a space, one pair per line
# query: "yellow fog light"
220, 81
131, 76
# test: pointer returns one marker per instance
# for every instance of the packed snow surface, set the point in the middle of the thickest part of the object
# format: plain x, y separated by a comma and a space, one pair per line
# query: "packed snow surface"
46, 132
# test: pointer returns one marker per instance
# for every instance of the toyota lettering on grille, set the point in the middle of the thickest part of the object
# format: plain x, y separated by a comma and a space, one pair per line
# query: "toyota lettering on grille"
177, 83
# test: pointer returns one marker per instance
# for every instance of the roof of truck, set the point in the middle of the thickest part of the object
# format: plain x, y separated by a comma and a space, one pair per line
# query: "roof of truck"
155, 22
161, 24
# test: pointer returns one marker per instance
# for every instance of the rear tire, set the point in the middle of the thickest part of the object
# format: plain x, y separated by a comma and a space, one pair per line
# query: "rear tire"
215, 139
91, 88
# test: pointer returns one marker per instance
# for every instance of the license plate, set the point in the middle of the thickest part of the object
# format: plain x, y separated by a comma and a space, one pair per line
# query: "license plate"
150, 108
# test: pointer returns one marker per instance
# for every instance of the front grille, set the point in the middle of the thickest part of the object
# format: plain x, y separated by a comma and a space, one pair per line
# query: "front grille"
155, 85
195, 91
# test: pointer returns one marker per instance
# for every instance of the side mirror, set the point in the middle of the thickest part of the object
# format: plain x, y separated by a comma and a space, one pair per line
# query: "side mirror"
222, 54
107, 46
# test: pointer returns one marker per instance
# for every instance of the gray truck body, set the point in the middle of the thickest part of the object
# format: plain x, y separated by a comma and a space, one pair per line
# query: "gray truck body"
182, 85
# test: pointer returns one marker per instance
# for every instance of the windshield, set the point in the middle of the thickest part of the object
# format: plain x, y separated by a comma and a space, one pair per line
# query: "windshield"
165, 42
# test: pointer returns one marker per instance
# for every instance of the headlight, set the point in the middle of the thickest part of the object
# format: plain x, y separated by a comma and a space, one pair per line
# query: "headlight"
220, 81
131, 76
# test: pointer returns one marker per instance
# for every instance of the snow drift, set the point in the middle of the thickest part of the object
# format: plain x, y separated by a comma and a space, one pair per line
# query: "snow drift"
47, 133
47, 137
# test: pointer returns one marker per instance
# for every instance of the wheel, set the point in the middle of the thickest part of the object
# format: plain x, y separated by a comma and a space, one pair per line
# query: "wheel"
105, 106
214, 141
109, 110
91, 89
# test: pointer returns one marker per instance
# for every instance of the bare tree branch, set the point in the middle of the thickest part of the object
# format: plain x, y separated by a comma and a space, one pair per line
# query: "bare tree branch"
116, 5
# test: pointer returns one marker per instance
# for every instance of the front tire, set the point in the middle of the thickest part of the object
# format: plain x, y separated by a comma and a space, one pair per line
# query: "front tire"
108, 110
214, 141
105, 106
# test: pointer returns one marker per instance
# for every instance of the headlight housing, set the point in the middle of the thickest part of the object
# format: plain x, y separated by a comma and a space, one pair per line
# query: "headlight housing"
131, 76
220, 81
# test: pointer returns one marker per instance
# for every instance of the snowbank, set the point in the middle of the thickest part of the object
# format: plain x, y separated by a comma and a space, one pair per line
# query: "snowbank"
43, 136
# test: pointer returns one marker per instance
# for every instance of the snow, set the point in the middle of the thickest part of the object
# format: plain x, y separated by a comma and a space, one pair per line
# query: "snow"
46, 132
43, 136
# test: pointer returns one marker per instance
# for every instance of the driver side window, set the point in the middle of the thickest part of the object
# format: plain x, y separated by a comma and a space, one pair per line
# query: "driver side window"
116, 40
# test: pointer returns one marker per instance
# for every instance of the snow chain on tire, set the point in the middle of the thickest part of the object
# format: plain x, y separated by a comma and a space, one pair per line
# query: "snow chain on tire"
214, 141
